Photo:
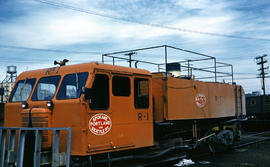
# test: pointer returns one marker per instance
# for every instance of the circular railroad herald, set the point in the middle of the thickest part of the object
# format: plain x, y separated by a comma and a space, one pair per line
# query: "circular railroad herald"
200, 100
100, 124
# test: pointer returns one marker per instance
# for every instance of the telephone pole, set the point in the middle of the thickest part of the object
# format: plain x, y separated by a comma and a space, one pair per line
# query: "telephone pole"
130, 59
260, 60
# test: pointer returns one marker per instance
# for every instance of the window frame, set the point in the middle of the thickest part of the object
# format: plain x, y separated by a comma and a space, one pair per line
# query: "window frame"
16, 86
56, 96
135, 92
130, 86
56, 88
109, 93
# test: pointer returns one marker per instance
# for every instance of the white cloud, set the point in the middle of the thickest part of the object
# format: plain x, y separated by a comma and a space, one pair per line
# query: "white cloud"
203, 6
52, 28
194, 4
49, 27
213, 24
55, 28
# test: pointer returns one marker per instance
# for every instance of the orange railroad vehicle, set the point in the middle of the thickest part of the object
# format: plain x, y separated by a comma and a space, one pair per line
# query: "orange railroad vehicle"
111, 108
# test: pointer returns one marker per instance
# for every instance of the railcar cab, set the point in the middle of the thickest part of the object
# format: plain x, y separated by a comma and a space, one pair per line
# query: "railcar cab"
108, 107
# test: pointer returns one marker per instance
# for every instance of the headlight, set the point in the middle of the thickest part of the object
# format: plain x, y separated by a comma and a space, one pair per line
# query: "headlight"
50, 104
24, 105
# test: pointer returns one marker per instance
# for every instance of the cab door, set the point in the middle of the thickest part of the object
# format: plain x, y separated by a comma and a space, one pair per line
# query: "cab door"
100, 114
122, 110
143, 109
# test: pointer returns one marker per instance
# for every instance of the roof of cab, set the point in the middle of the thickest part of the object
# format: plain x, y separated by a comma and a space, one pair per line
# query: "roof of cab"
85, 67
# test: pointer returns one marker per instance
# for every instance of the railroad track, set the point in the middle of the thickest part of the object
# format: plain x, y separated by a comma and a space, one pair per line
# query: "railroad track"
170, 159
253, 138
247, 140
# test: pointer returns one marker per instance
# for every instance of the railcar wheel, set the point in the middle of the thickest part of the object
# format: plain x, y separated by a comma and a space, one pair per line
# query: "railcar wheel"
221, 142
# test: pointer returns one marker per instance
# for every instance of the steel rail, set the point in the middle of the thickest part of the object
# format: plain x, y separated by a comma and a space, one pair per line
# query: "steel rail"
250, 143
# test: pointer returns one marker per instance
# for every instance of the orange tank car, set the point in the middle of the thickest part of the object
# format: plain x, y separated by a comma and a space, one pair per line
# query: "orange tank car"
117, 115
183, 99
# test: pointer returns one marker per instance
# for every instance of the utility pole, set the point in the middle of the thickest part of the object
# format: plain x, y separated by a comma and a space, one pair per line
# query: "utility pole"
129, 56
260, 60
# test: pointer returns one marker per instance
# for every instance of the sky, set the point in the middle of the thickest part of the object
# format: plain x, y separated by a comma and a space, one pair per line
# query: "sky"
34, 33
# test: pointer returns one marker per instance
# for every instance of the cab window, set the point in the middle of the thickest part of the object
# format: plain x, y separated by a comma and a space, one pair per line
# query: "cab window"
22, 90
121, 86
100, 93
141, 93
46, 88
72, 85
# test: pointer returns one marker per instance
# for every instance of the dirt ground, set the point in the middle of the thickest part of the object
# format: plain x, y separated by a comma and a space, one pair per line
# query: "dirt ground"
257, 155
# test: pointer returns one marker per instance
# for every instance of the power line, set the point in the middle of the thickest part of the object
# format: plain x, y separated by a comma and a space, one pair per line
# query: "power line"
87, 11
244, 78
244, 73
80, 52
46, 50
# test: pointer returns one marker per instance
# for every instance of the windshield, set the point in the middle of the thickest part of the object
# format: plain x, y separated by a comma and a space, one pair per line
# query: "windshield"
46, 88
22, 90
72, 85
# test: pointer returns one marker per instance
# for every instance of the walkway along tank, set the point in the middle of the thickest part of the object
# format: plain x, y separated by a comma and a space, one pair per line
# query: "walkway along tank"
112, 108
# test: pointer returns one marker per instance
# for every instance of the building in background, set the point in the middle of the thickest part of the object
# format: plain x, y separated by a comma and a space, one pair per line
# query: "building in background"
5, 89
254, 93
7, 84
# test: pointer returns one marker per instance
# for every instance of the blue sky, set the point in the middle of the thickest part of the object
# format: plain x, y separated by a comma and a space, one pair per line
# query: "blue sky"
32, 24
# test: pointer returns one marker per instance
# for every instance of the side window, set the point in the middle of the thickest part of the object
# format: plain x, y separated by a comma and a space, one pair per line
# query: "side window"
22, 90
121, 86
100, 93
141, 93
46, 88
71, 87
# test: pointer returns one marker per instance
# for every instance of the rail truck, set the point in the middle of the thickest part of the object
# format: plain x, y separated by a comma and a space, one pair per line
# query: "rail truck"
112, 109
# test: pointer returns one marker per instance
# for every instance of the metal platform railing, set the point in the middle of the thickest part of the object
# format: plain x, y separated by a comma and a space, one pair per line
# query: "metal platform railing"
215, 70
14, 156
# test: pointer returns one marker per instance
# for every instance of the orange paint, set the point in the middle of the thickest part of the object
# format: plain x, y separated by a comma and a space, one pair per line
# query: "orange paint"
125, 119
182, 99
